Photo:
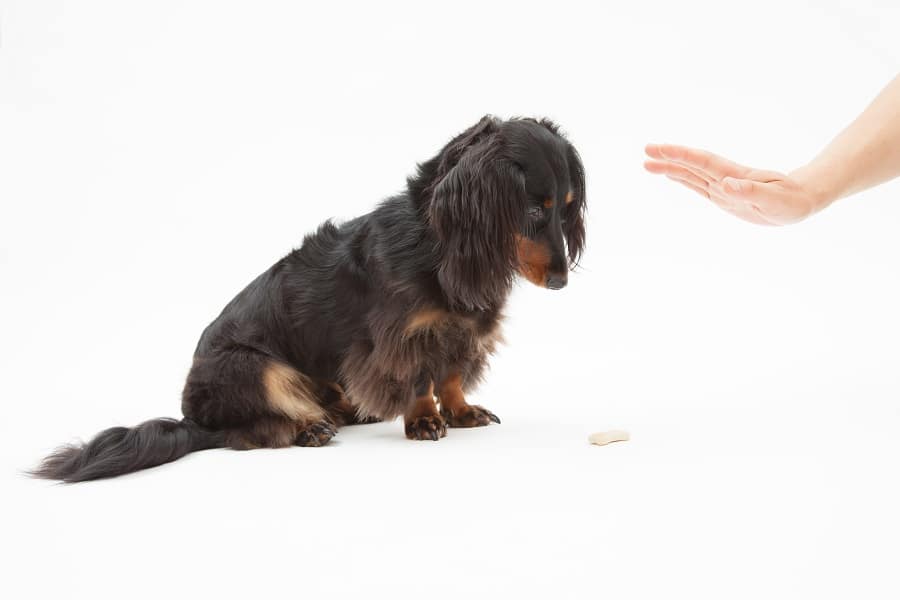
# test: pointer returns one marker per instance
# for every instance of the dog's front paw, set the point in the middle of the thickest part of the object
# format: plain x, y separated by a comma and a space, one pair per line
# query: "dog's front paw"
428, 427
470, 415
316, 434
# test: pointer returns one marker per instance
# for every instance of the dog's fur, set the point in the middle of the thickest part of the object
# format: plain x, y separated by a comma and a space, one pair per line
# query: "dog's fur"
370, 319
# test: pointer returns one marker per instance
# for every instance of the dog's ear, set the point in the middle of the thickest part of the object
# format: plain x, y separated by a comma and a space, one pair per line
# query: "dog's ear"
476, 210
575, 209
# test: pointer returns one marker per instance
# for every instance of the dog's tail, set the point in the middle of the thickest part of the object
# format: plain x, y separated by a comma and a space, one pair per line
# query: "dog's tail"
121, 450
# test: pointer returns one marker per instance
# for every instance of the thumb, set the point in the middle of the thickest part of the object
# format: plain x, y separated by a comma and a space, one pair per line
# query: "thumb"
740, 187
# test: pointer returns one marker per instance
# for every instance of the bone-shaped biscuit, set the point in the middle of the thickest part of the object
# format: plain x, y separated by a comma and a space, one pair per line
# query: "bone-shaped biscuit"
601, 438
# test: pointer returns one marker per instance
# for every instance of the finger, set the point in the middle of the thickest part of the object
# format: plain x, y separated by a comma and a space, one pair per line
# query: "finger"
739, 186
740, 211
760, 193
742, 207
672, 170
765, 176
700, 190
711, 165
657, 152
723, 200
652, 150
726, 196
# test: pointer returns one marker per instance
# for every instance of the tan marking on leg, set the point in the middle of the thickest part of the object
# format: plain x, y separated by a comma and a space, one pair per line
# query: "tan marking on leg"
451, 394
456, 411
534, 260
423, 405
569, 197
290, 393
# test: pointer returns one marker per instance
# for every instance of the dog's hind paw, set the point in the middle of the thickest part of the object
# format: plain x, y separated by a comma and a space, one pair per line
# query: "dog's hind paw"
316, 434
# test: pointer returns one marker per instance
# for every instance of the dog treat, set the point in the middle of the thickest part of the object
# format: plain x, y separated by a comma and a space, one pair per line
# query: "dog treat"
602, 438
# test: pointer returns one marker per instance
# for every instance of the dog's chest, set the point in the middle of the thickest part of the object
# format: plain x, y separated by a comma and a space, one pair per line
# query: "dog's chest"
437, 334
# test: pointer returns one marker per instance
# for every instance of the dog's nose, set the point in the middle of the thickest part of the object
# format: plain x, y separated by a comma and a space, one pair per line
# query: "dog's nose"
557, 281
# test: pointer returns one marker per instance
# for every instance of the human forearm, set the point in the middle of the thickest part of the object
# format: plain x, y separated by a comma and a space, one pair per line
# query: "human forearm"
865, 154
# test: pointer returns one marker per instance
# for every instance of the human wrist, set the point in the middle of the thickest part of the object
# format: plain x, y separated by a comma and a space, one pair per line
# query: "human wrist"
820, 183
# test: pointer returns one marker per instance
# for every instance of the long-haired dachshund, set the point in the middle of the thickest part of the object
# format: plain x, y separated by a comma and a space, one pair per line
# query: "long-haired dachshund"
373, 318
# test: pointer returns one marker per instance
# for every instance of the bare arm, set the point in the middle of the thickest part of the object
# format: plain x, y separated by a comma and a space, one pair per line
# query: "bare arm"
865, 154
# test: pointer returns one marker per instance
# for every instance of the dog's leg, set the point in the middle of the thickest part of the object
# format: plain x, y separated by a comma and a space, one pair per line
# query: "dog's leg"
454, 408
340, 409
294, 396
257, 402
422, 421
344, 413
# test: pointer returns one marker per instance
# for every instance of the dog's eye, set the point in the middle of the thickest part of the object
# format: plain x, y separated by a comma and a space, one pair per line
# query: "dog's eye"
535, 213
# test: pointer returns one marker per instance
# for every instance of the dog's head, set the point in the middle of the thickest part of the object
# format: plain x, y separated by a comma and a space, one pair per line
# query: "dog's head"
506, 197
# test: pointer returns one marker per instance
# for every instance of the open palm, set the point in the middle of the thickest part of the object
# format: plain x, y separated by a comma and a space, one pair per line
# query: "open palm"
762, 197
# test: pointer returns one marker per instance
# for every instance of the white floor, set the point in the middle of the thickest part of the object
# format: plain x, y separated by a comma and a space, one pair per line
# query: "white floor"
795, 497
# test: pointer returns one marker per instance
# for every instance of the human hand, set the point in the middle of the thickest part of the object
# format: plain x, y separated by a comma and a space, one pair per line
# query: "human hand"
762, 197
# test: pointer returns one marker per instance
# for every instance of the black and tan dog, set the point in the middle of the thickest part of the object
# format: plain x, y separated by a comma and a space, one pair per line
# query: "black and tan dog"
373, 318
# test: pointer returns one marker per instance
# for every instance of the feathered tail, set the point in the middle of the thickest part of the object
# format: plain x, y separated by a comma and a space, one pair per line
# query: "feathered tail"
121, 450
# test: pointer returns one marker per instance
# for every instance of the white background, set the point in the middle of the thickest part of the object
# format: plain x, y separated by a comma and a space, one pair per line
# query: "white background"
156, 156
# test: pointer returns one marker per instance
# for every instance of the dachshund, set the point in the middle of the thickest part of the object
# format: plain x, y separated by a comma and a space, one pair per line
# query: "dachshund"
392, 313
